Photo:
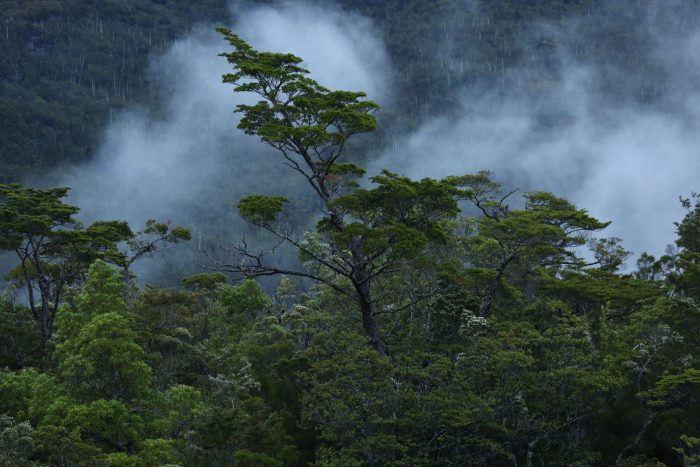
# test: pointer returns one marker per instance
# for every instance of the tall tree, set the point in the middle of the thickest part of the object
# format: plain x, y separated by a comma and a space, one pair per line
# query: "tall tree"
154, 237
53, 248
542, 235
686, 278
363, 234
98, 353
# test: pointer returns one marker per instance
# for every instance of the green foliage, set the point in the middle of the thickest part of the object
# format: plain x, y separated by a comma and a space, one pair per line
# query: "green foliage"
398, 214
68, 67
351, 399
20, 339
492, 341
209, 281
104, 361
18, 392
31, 211
297, 112
98, 355
16, 442
363, 234
575, 365
59, 445
108, 421
154, 453
690, 449
151, 239
261, 209
246, 297
102, 293
168, 324
54, 250
505, 248
688, 260
182, 406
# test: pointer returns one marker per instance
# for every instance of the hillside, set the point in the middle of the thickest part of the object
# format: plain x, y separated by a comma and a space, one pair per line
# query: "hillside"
69, 66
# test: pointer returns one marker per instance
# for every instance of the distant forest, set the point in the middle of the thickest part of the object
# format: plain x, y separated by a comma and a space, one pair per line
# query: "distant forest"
67, 67
353, 320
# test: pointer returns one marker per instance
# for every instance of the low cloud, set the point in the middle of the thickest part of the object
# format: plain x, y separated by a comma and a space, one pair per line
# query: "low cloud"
190, 165
620, 159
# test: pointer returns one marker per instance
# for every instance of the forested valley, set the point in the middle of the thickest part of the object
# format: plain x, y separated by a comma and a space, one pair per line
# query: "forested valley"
321, 301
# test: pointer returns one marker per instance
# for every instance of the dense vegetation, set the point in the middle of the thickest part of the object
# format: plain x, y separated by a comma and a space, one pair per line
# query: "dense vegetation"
67, 66
427, 322
423, 322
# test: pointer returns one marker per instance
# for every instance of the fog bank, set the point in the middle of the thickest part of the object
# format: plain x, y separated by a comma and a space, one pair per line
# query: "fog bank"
563, 130
190, 165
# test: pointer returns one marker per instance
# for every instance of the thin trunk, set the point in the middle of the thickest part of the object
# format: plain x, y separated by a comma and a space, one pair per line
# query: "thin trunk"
628, 449
493, 287
371, 330
646, 419
30, 291
369, 324
490, 294
127, 273
44, 321
530, 449
44, 312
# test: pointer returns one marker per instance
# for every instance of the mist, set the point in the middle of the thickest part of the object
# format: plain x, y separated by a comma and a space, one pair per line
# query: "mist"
558, 127
189, 165
548, 124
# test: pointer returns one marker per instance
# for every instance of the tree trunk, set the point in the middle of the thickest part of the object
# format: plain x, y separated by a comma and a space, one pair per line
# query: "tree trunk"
44, 313
44, 320
530, 448
514, 458
490, 295
637, 438
369, 324
493, 287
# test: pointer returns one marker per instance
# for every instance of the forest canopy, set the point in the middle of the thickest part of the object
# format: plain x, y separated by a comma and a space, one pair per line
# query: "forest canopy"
451, 321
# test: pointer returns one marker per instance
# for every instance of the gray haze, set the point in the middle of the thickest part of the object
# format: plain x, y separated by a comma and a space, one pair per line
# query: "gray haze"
622, 161
190, 165
556, 130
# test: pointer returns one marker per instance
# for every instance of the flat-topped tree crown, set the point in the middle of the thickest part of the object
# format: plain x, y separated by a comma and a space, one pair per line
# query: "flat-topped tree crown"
31, 211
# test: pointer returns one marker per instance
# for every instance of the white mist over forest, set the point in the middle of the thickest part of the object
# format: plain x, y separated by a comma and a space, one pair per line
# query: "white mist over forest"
312, 321
620, 164
620, 160
160, 165
175, 167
